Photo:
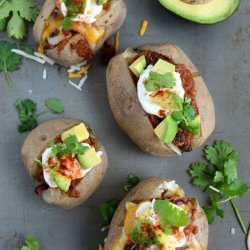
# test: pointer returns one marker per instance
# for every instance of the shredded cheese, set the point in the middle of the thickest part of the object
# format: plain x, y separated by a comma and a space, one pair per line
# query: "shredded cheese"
24, 54
143, 27
79, 73
117, 36
44, 74
100, 247
80, 84
76, 67
45, 58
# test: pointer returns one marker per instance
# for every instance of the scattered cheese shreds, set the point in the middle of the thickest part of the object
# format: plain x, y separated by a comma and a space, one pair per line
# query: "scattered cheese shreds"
44, 74
117, 36
45, 58
100, 247
79, 73
80, 84
30, 91
74, 75
143, 27
24, 54
248, 240
233, 231
76, 67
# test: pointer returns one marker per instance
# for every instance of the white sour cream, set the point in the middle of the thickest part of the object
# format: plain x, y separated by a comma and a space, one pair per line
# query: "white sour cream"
144, 95
90, 12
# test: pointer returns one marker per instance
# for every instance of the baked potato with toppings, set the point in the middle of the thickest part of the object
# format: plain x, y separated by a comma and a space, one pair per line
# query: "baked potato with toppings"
147, 203
70, 42
52, 158
131, 113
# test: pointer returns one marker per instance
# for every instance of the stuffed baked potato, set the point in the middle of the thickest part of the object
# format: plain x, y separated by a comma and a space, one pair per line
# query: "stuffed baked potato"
156, 215
159, 99
65, 160
71, 31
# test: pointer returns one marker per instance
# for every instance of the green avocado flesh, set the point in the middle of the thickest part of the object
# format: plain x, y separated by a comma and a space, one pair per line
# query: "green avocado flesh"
168, 100
89, 159
138, 66
62, 181
194, 126
210, 12
166, 130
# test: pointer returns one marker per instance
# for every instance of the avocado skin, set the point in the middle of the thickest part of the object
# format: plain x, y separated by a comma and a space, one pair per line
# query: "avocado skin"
228, 7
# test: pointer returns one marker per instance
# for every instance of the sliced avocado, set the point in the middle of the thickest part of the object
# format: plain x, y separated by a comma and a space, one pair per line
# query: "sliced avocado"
209, 12
62, 181
138, 66
80, 131
167, 130
168, 100
165, 241
163, 67
194, 126
101, 2
89, 159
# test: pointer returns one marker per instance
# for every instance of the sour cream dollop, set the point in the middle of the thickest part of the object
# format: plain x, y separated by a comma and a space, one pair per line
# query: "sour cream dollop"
90, 12
144, 95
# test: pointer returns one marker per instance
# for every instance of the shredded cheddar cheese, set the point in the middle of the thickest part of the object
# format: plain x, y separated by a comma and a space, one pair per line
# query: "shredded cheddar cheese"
117, 36
79, 73
143, 27
74, 75
100, 247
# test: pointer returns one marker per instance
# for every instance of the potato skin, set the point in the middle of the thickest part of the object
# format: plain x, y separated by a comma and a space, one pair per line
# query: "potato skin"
33, 147
111, 20
127, 109
147, 189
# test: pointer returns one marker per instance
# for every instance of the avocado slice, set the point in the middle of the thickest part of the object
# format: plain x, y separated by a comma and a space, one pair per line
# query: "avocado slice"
163, 67
138, 66
62, 181
89, 159
165, 241
194, 126
168, 100
101, 2
80, 131
209, 12
167, 130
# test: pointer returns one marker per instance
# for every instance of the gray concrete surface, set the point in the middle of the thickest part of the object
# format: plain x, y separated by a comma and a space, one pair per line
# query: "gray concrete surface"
221, 52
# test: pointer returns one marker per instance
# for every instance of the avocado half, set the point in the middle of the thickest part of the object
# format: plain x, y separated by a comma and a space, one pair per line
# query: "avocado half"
211, 11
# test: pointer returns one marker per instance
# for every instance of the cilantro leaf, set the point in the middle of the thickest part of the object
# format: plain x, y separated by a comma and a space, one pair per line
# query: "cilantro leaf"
230, 170
3, 23
107, 210
201, 173
31, 243
156, 81
220, 153
133, 180
218, 177
213, 210
143, 237
170, 214
27, 49
9, 61
18, 14
67, 23
235, 189
54, 105
188, 111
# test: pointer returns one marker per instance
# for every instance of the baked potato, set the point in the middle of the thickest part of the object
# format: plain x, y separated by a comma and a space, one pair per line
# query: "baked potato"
66, 160
72, 36
154, 204
137, 77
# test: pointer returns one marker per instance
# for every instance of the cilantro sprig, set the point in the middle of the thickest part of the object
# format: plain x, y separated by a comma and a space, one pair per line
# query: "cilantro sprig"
31, 243
132, 181
219, 176
27, 112
69, 147
9, 61
15, 15
107, 210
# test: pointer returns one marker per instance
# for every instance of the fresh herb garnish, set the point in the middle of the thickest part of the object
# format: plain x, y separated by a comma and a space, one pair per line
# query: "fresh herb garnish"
170, 215
27, 112
132, 181
15, 15
70, 146
27, 49
107, 210
156, 81
9, 61
219, 176
143, 233
187, 114
31, 243
67, 23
